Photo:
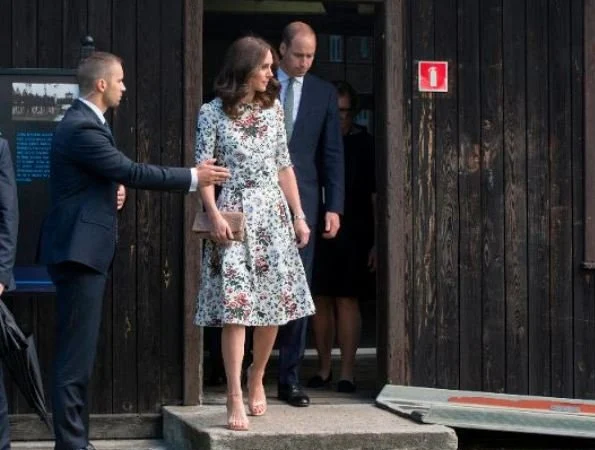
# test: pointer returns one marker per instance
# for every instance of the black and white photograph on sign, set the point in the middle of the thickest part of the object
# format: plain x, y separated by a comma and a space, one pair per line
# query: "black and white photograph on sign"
45, 102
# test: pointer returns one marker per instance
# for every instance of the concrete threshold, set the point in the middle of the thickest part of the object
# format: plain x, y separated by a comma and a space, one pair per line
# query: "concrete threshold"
319, 427
115, 444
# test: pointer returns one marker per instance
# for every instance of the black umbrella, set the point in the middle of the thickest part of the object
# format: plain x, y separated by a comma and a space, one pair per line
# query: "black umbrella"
20, 358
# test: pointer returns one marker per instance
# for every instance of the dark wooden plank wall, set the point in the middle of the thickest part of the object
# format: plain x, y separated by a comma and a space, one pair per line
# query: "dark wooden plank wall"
584, 307
140, 356
499, 301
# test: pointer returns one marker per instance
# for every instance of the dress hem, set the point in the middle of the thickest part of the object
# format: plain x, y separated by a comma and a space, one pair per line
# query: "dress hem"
276, 324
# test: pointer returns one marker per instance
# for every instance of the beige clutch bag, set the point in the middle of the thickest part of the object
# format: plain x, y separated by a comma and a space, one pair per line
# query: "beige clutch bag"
203, 226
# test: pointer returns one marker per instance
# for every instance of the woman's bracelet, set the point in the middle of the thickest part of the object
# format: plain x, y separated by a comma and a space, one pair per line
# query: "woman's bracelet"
299, 217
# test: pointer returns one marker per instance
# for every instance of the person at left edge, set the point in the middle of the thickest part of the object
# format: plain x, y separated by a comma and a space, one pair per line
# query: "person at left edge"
78, 236
9, 224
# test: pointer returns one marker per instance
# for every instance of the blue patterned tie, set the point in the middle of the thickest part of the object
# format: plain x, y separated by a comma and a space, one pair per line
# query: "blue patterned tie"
288, 107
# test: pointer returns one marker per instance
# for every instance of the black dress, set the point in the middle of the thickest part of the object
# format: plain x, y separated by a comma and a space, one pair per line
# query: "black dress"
340, 264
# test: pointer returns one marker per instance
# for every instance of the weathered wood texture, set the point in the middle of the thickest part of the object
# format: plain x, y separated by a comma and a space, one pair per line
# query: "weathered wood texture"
499, 300
394, 205
193, 379
140, 360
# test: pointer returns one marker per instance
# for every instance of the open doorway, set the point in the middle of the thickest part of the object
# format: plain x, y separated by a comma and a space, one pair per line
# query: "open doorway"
345, 52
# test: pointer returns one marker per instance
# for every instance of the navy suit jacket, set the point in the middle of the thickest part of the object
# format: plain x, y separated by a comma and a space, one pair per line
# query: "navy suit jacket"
9, 216
316, 148
85, 169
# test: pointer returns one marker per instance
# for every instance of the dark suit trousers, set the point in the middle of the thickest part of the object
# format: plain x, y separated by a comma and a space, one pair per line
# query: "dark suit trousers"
79, 300
4, 431
292, 336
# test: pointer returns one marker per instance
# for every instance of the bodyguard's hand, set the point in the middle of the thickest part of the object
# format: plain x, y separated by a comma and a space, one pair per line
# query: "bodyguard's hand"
209, 173
332, 223
120, 197
302, 232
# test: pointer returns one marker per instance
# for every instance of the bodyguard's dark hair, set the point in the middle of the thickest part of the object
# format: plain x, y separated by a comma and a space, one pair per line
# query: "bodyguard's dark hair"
94, 67
345, 89
243, 58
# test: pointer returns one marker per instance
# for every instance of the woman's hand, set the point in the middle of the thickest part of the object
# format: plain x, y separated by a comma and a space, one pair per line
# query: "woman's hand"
302, 232
221, 233
372, 259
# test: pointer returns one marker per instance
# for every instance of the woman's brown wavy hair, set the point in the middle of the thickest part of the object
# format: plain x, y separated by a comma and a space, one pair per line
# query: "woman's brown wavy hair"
242, 60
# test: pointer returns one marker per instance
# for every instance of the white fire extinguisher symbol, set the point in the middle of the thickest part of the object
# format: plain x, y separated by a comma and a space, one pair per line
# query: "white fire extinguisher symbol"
433, 76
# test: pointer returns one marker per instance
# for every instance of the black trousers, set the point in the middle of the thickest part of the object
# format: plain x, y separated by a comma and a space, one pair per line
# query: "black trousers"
291, 338
4, 430
79, 301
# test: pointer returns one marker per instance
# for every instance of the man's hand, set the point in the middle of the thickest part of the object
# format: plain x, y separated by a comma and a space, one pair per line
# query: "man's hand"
209, 173
1, 289
332, 223
120, 197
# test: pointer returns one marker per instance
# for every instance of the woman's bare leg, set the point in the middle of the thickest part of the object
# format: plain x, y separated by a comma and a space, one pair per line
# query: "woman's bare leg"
348, 333
323, 324
262, 346
232, 348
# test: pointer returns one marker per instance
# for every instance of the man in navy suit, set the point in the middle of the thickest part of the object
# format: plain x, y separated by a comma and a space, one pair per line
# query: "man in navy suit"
316, 149
9, 224
78, 237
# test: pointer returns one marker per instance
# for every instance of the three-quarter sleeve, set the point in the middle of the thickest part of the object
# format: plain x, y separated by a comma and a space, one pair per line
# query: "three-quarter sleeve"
282, 158
206, 133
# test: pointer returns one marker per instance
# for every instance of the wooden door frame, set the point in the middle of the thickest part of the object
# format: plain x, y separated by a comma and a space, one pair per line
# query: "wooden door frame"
394, 230
589, 149
394, 227
192, 335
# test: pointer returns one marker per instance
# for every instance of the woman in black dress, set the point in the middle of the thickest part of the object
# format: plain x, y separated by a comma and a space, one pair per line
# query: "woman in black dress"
341, 264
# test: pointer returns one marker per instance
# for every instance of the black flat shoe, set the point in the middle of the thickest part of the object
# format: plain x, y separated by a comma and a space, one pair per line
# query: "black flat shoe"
317, 381
345, 386
293, 395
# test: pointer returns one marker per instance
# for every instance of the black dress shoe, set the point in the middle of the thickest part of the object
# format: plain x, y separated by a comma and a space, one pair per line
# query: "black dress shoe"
345, 386
293, 395
317, 381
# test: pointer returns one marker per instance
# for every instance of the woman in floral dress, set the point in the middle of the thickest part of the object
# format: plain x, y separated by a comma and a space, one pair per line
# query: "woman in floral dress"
259, 282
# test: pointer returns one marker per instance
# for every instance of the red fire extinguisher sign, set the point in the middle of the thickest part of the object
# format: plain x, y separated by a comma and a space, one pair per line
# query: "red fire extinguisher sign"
433, 76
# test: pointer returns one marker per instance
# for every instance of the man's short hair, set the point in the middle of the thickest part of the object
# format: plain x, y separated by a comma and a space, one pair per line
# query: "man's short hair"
94, 67
293, 29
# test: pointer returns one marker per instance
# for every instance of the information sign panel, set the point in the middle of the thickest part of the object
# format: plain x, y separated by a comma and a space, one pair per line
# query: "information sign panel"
32, 102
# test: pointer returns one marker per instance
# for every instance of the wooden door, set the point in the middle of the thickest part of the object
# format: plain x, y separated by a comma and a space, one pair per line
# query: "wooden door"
193, 336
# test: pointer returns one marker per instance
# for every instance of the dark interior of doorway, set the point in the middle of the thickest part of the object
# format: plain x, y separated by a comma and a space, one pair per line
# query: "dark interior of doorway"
345, 51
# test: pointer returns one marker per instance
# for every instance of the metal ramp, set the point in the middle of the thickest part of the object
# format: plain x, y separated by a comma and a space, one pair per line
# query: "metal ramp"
490, 411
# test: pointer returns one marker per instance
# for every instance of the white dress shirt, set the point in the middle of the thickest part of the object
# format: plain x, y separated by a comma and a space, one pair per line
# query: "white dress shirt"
297, 90
94, 108
100, 116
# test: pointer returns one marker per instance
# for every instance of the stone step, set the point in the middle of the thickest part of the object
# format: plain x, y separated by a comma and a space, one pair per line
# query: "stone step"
320, 427
119, 444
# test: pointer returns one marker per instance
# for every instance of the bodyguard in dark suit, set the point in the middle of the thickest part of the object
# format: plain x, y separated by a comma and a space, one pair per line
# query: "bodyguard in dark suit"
9, 224
78, 238
316, 149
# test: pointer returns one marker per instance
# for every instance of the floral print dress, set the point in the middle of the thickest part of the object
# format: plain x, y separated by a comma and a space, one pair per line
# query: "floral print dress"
260, 281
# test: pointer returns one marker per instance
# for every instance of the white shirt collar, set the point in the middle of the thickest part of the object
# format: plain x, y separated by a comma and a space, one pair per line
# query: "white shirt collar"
94, 108
283, 77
